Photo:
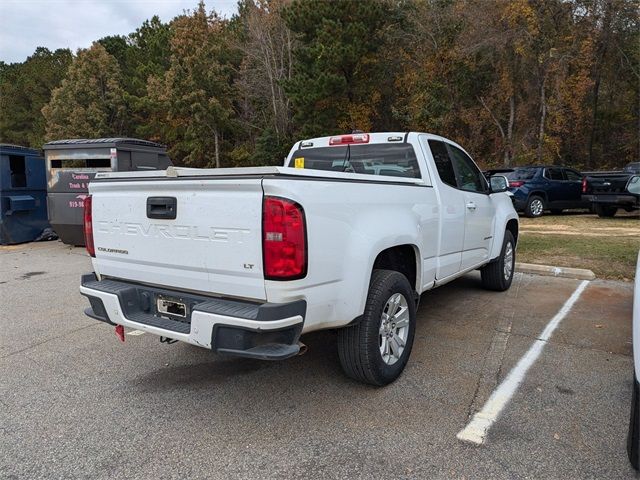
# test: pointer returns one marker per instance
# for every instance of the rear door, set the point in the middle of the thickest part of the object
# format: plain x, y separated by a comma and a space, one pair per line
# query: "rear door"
556, 187
202, 235
574, 189
479, 211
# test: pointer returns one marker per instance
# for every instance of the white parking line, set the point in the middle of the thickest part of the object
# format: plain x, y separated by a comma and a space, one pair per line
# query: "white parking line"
477, 429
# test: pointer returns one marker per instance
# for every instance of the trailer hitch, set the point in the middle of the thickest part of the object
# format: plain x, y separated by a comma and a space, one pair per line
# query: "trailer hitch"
167, 340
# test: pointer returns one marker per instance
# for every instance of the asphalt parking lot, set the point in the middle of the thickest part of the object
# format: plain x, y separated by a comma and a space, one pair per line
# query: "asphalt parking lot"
77, 403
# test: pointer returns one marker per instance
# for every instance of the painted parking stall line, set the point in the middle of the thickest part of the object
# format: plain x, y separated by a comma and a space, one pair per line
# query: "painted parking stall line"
135, 333
477, 429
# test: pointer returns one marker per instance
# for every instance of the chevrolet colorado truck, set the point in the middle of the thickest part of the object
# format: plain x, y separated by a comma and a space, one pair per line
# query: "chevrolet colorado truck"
346, 235
608, 192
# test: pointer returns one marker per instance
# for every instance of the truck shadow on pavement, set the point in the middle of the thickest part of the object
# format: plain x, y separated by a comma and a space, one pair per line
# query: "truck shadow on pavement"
199, 368
194, 367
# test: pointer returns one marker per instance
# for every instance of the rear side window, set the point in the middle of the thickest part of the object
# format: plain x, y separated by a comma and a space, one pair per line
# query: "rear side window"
443, 163
387, 159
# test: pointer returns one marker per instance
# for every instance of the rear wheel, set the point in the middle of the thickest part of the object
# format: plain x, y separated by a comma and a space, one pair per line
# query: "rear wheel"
498, 274
606, 211
535, 207
376, 350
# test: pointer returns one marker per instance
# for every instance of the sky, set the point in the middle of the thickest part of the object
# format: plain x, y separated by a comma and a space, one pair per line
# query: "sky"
27, 24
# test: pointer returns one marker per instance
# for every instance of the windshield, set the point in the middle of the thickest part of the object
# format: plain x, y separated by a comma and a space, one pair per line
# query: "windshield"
394, 160
522, 174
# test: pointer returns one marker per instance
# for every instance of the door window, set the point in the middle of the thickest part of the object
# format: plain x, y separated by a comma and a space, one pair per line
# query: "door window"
443, 163
554, 174
469, 176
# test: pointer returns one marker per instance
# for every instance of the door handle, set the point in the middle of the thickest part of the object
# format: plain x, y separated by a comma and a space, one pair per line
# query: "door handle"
162, 207
471, 206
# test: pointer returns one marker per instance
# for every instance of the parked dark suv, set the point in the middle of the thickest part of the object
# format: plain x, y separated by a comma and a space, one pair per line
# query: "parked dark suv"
536, 189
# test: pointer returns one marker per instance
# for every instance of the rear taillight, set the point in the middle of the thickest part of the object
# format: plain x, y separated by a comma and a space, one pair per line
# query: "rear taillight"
284, 239
516, 184
88, 227
584, 185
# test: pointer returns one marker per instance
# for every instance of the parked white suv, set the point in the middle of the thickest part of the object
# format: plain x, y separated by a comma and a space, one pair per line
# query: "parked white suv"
346, 235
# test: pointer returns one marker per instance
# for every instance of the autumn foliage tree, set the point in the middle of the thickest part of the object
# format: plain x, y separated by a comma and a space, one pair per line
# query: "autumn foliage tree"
90, 100
515, 81
193, 99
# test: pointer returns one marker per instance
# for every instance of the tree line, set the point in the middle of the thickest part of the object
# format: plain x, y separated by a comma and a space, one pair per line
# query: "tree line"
514, 81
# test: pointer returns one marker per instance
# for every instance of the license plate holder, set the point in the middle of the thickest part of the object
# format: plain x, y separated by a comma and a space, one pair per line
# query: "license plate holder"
171, 307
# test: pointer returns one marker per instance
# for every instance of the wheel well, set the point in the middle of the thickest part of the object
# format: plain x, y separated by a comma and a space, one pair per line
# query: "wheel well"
512, 226
401, 258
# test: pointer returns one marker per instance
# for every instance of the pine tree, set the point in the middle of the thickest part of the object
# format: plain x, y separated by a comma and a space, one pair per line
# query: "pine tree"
337, 73
90, 101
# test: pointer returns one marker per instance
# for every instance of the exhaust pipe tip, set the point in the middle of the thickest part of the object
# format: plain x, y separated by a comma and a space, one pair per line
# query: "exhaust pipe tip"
303, 348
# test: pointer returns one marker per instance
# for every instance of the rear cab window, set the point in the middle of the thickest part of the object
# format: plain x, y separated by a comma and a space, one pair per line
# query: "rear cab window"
384, 159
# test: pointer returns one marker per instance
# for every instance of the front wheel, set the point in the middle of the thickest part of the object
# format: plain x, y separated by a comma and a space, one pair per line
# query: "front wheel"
498, 274
376, 349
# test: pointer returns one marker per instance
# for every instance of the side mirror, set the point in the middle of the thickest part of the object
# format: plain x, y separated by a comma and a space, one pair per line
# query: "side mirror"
499, 183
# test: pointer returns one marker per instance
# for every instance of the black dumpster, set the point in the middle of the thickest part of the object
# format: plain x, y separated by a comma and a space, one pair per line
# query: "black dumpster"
23, 192
72, 164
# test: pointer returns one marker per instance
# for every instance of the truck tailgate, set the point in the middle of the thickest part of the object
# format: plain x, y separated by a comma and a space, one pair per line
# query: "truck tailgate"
213, 244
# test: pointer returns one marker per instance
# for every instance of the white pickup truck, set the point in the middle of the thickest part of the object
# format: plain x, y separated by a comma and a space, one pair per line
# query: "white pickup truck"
346, 235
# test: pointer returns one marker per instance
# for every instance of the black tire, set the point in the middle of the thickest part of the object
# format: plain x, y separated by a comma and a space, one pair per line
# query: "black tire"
494, 274
535, 206
605, 211
359, 345
556, 211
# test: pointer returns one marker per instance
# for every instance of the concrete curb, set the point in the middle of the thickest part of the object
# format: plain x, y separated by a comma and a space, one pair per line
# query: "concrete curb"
551, 271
